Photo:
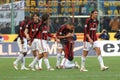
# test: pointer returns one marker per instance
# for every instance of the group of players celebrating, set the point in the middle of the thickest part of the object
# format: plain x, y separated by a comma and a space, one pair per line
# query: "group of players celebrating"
34, 32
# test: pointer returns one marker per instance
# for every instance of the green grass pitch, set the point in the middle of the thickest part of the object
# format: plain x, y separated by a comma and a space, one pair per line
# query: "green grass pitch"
7, 72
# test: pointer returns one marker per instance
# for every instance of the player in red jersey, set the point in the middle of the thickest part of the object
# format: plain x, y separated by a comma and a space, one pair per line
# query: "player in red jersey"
22, 43
65, 34
42, 34
32, 27
90, 41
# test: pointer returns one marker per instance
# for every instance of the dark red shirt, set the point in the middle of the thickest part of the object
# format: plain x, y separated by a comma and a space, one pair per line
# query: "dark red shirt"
90, 28
64, 31
22, 29
32, 28
42, 32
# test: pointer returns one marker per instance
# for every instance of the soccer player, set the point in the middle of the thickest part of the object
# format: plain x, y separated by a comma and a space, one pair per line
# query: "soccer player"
42, 50
65, 34
32, 27
90, 41
22, 43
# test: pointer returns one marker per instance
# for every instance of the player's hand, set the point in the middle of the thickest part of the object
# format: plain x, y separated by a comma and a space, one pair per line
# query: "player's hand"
57, 40
69, 35
91, 41
28, 37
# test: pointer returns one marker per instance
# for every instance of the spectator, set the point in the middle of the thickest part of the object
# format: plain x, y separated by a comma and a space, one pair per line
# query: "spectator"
56, 24
104, 35
117, 35
1, 38
114, 24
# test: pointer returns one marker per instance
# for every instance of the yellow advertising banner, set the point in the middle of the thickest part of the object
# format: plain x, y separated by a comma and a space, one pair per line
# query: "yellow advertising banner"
9, 37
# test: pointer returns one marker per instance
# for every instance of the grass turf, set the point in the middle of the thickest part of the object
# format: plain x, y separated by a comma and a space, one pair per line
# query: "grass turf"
7, 72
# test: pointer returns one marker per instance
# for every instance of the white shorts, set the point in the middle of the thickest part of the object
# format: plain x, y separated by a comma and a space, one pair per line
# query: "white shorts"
58, 45
36, 45
44, 45
22, 47
87, 45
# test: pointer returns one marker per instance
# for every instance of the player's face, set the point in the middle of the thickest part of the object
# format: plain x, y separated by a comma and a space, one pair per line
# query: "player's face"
35, 17
95, 14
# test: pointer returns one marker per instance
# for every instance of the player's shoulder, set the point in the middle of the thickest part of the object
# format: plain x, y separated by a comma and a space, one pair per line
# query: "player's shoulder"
30, 22
88, 20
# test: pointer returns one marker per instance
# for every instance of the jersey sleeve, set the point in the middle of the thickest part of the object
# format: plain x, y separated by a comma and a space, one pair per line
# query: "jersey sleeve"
60, 31
20, 30
86, 27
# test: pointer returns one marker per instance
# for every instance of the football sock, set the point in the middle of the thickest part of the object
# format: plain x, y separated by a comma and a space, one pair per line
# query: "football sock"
100, 59
58, 59
19, 58
47, 63
83, 59
23, 62
34, 62
40, 63
63, 62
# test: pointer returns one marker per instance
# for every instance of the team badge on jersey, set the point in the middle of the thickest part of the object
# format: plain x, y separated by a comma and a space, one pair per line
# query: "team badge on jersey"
86, 25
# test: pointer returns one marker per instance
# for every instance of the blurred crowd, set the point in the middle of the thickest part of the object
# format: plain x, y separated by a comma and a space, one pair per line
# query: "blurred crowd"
111, 24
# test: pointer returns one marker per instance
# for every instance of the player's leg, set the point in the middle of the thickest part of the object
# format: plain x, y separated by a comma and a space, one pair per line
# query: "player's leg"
59, 55
83, 60
100, 59
24, 53
34, 56
15, 63
70, 64
86, 48
45, 54
45, 58
62, 65
35, 60
40, 64
36, 47
58, 60
98, 52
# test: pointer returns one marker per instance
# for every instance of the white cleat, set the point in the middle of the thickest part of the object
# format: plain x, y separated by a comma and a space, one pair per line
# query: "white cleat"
38, 68
51, 69
24, 68
83, 70
32, 68
15, 66
104, 68
57, 67
76, 65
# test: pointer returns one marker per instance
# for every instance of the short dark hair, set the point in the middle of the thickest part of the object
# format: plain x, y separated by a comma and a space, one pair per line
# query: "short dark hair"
45, 17
70, 23
93, 11
27, 18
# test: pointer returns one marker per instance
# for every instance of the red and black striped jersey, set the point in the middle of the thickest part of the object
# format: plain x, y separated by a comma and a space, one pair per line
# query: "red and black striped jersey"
63, 30
32, 27
90, 28
42, 32
22, 28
